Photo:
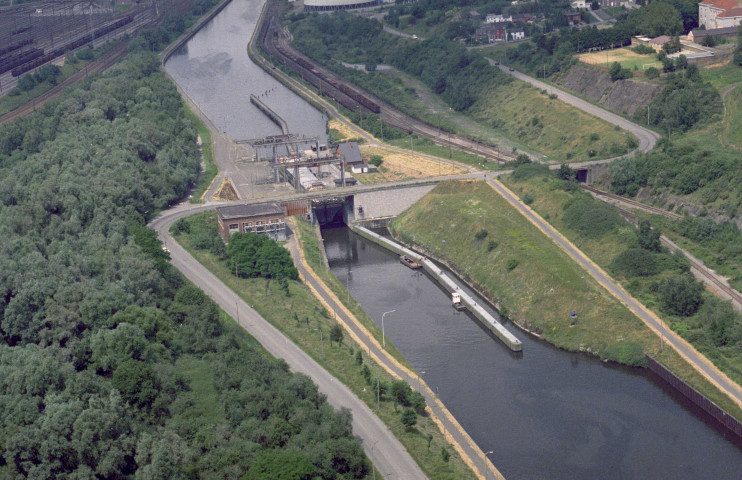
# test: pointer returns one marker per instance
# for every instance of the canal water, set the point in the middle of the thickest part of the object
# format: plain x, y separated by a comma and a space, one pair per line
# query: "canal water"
215, 71
545, 413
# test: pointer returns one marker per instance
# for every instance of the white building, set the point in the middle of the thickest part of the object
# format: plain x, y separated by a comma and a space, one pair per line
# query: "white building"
719, 13
497, 18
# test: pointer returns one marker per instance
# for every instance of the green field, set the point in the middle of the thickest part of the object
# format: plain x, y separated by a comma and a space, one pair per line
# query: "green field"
543, 286
300, 316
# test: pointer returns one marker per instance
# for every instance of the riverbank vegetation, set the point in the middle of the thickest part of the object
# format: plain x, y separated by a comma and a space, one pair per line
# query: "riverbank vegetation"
113, 364
463, 79
535, 282
292, 308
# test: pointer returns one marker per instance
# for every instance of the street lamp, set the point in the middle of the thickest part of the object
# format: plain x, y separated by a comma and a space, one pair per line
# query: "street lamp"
322, 341
383, 335
485, 463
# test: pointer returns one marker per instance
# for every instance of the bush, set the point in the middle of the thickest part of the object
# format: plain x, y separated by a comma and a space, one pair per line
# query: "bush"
651, 73
376, 160
492, 245
591, 218
643, 50
530, 170
635, 262
409, 418
512, 263
481, 235
627, 353
681, 295
85, 53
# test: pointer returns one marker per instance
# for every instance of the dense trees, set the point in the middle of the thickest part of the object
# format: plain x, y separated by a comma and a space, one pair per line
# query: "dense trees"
113, 367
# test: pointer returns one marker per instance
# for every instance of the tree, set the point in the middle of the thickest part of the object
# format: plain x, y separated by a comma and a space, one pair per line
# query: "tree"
409, 418
400, 392
681, 295
336, 334
566, 173
137, 383
649, 238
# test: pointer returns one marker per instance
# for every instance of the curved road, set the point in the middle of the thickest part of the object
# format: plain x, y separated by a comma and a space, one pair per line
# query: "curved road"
697, 360
647, 138
380, 444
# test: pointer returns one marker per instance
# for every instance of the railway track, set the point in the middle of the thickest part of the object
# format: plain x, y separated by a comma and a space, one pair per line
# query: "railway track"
277, 45
701, 271
633, 203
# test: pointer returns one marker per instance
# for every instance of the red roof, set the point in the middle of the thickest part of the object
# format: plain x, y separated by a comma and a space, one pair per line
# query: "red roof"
722, 4
732, 12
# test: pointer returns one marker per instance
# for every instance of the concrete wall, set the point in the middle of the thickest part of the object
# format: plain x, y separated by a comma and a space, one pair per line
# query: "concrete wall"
388, 203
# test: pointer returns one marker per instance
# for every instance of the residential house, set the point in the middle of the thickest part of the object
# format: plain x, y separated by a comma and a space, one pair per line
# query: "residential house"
573, 17
516, 35
658, 42
490, 33
714, 14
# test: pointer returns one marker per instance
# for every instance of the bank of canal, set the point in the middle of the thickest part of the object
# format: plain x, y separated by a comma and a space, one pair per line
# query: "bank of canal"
546, 413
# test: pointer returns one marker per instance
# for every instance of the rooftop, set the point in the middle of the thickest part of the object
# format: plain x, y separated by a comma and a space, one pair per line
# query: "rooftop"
254, 210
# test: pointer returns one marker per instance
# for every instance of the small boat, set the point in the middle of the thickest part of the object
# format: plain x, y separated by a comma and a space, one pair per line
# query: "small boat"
456, 302
409, 262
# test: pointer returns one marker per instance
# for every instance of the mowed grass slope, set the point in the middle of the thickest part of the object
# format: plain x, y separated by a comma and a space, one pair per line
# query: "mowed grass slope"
544, 286
548, 125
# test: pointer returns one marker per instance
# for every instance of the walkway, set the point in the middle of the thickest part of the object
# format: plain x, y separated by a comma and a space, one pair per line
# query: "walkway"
380, 444
690, 354
456, 434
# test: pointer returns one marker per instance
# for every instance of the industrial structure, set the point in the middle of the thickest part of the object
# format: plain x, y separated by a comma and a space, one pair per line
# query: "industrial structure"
262, 218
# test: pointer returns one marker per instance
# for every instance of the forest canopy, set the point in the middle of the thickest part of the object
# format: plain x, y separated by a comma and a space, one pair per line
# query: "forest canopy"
113, 366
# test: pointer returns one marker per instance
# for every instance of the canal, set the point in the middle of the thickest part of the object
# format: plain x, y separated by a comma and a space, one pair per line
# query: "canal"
545, 413
215, 71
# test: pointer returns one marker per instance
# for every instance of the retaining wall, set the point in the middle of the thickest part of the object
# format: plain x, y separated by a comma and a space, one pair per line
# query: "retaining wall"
448, 283
731, 423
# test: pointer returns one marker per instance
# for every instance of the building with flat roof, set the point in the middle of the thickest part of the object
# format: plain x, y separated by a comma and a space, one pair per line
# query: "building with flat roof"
262, 218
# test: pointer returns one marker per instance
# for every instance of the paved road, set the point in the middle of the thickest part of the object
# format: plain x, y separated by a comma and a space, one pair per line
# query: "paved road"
698, 361
647, 138
379, 443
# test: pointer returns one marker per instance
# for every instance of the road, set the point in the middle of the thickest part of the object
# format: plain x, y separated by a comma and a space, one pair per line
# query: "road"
647, 138
379, 443
697, 360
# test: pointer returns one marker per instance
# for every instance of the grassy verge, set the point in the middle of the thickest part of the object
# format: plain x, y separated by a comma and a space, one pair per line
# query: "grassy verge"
302, 318
535, 280
207, 146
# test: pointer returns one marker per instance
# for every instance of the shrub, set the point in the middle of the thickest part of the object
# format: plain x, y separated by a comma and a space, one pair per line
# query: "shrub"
527, 199
635, 262
85, 53
627, 353
409, 418
591, 218
530, 170
481, 235
512, 263
651, 73
445, 455
376, 160
492, 245
681, 295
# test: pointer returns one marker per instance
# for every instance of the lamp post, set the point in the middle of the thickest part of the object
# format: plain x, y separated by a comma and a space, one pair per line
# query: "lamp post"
383, 335
485, 463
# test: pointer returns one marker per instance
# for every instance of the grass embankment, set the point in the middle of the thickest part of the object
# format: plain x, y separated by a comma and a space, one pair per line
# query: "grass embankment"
516, 265
300, 316
624, 56
554, 128
207, 148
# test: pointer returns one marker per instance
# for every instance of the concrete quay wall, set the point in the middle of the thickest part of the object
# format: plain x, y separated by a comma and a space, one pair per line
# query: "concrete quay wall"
447, 282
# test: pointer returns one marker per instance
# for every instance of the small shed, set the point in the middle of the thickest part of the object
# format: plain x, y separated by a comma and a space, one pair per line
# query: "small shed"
352, 157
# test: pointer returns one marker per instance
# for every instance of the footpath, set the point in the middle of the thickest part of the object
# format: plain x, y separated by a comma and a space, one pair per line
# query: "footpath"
452, 430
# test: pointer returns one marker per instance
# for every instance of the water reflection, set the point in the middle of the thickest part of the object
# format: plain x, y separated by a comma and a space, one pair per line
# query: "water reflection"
546, 414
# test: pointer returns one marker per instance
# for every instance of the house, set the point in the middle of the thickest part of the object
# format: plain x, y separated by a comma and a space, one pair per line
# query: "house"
714, 14
497, 18
262, 218
580, 4
352, 157
490, 33
521, 17
517, 35
573, 17
697, 36
615, 3
658, 42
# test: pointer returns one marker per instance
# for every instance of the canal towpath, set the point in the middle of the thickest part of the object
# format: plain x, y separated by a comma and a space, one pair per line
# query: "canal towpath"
454, 432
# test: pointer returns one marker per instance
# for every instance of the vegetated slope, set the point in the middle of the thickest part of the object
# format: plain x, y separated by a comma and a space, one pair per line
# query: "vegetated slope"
470, 226
660, 279
624, 96
113, 366
464, 79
